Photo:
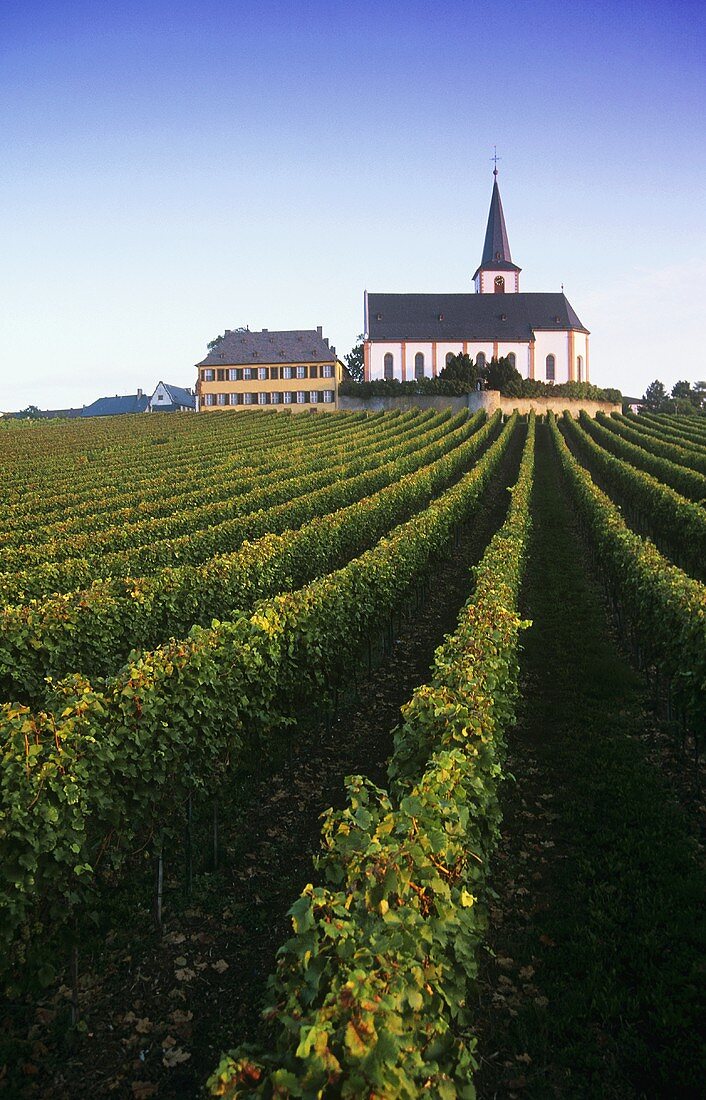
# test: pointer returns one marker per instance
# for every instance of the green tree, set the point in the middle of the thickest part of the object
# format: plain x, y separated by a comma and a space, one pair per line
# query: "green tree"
681, 389
698, 394
655, 396
354, 361
501, 375
212, 344
461, 368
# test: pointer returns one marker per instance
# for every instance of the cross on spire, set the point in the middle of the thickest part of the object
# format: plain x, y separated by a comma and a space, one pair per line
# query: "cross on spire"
495, 158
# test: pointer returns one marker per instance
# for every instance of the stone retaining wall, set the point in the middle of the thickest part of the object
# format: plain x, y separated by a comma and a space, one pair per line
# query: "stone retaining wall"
490, 400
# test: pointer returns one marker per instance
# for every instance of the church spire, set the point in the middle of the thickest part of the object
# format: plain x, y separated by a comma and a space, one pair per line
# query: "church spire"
496, 245
497, 273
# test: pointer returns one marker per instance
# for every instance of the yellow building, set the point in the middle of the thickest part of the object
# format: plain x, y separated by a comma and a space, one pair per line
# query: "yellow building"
294, 370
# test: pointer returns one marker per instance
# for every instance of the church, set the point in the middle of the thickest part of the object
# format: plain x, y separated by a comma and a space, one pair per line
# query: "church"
412, 336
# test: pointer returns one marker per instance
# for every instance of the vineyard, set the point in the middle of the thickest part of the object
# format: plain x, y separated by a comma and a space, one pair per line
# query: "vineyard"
458, 662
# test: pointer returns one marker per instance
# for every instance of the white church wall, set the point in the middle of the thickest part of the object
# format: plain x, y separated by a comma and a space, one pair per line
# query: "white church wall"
581, 349
378, 351
413, 349
556, 344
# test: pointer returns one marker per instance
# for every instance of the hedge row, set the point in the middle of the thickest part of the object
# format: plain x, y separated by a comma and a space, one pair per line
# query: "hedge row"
667, 609
653, 442
236, 495
687, 482
83, 463
80, 785
675, 523
273, 508
93, 631
675, 432
123, 495
370, 997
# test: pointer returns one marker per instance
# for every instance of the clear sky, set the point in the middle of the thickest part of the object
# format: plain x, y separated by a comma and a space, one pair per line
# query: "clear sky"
171, 169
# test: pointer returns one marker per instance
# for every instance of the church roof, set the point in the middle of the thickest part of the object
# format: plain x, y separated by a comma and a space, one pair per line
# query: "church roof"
425, 317
289, 346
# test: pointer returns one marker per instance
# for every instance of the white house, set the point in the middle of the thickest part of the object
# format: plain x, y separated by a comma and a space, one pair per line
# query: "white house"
171, 399
410, 336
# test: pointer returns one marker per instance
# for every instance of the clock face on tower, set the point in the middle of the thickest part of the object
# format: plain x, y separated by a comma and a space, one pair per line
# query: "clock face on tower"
499, 284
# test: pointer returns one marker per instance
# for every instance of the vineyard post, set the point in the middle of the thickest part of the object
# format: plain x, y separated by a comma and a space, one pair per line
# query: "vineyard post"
75, 1007
215, 836
189, 847
158, 887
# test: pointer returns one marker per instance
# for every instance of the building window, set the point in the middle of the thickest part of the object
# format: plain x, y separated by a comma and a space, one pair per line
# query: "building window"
328, 396
222, 398
276, 398
419, 365
262, 374
511, 359
388, 369
233, 399
247, 399
220, 375
480, 360
287, 397
209, 399
551, 368
579, 368
287, 372
262, 398
327, 370
301, 397
314, 397
499, 284
313, 372
160, 397
301, 372
231, 374
208, 375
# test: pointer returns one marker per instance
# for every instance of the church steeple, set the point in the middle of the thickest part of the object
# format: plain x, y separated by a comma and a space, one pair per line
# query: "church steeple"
497, 273
496, 245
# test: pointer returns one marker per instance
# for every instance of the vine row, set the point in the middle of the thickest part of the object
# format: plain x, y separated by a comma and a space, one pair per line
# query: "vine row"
370, 997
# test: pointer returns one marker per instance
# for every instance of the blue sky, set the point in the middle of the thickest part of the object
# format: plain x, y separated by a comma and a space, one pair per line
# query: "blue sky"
173, 169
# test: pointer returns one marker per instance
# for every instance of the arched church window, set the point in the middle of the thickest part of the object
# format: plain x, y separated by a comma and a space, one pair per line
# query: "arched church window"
511, 359
499, 284
579, 368
480, 360
551, 368
419, 365
388, 367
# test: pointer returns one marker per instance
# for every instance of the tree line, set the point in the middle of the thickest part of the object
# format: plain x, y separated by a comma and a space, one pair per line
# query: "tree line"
685, 398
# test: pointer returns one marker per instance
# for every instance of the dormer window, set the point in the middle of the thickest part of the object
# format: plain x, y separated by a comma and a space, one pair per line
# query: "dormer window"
378, 316
441, 317
499, 284
503, 316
